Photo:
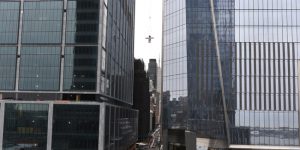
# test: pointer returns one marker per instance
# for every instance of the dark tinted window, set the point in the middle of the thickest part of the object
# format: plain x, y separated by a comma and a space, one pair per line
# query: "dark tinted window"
75, 127
82, 21
25, 126
80, 70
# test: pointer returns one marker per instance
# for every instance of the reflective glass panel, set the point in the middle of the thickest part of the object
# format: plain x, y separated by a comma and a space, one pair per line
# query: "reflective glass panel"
82, 21
9, 22
80, 70
121, 127
25, 126
42, 22
39, 69
75, 127
7, 67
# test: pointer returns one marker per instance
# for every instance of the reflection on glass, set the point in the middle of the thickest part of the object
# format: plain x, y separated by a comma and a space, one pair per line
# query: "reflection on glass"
9, 22
82, 21
25, 126
80, 70
42, 22
266, 74
7, 67
118, 48
120, 128
75, 127
39, 68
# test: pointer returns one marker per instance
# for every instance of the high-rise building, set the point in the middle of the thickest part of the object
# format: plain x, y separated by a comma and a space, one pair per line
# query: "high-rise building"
152, 72
75, 50
141, 99
236, 62
155, 88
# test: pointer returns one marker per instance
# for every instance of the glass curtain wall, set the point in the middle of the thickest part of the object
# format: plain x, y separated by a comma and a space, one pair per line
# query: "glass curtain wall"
25, 126
41, 40
9, 23
175, 60
121, 126
259, 44
266, 75
118, 46
81, 51
75, 127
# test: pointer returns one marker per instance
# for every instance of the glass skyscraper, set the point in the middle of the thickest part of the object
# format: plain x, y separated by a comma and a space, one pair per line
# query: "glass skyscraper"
231, 69
74, 50
67, 47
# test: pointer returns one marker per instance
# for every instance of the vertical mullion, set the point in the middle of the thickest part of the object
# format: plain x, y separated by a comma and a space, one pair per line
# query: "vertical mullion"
101, 19
245, 75
254, 78
109, 123
2, 114
271, 101
101, 138
114, 126
250, 76
240, 76
265, 62
50, 126
284, 100
283, 77
274, 75
294, 76
288, 76
278, 76
237, 77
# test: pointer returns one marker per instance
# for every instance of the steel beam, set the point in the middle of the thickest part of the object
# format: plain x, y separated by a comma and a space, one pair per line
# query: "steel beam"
63, 45
19, 46
213, 18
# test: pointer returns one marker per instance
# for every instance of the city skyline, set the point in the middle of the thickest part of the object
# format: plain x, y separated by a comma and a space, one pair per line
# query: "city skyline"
161, 74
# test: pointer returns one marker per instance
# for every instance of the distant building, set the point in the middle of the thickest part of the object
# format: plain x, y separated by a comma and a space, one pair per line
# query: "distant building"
159, 91
141, 99
155, 108
177, 113
152, 72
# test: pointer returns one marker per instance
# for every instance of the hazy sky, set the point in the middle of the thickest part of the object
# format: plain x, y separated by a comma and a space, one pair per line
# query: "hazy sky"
148, 21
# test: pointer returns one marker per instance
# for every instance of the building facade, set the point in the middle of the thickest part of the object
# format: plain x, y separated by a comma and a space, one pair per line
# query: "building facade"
155, 89
152, 72
76, 50
141, 99
65, 125
236, 61
65, 47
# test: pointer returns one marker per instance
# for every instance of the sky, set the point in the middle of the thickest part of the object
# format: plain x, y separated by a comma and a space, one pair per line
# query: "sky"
148, 21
